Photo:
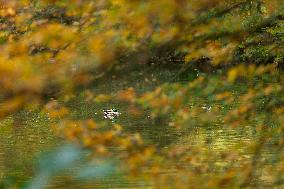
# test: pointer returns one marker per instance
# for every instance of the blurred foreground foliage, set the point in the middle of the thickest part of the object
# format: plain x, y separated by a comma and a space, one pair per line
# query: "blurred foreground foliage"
51, 49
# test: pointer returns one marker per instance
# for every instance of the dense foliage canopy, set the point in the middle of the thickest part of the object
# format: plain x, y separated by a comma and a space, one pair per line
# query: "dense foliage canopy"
53, 50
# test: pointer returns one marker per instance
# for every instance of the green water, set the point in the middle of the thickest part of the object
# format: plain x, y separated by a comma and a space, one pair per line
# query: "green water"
22, 137
27, 134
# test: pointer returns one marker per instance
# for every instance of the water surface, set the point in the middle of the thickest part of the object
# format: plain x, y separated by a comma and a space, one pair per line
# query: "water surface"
28, 133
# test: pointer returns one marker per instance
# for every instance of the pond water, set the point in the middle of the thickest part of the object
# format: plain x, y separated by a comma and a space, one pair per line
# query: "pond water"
27, 134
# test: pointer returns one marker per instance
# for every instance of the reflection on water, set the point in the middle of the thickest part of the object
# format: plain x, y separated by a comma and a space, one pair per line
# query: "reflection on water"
26, 134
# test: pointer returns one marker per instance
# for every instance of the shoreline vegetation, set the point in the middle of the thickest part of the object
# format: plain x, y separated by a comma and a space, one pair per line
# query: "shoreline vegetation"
198, 86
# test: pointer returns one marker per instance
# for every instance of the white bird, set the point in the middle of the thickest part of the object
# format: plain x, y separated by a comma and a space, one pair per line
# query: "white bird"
207, 108
111, 113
